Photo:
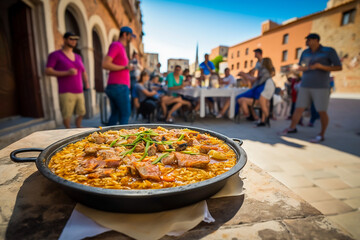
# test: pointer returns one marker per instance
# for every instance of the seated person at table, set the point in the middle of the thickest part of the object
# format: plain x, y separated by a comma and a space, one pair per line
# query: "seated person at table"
148, 99
226, 82
175, 81
262, 90
187, 81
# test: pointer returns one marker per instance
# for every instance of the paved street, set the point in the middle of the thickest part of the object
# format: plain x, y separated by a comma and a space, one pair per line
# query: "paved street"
326, 175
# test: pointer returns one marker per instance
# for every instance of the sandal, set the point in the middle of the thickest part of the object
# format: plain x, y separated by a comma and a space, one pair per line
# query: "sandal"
317, 139
287, 131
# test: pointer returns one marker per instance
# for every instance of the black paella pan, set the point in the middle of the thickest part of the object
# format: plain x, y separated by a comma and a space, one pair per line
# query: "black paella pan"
136, 201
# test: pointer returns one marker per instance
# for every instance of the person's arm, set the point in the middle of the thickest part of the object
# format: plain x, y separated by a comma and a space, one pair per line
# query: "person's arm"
52, 72
85, 79
148, 93
109, 65
319, 66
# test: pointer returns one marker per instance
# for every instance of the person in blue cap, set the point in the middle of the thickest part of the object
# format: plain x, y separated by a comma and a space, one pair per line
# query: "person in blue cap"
118, 88
316, 63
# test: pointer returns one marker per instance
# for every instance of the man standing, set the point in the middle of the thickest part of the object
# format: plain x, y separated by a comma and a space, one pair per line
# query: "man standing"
69, 69
316, 62
206, 68
117, 62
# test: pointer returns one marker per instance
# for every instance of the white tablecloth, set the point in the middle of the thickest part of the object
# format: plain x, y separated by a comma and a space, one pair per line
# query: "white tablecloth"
203, 93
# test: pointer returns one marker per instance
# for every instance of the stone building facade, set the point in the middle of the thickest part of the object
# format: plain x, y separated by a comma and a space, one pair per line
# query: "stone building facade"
31, 29
219, 50
172, 62
338, 26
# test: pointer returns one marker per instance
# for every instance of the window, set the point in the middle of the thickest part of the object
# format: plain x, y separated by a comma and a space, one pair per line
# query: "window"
251, 63
238, 53
232, 66
285, 38
297, 53
232, 55
284, 55
246, 51
237, 65
245, 64
348, 17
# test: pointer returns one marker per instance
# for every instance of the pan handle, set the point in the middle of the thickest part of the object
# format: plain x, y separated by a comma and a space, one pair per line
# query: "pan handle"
21, 150
239, 141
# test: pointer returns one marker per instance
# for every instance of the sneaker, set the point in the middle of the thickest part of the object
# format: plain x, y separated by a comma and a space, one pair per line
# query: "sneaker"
310, 124
317, 139
219, 115
287, 131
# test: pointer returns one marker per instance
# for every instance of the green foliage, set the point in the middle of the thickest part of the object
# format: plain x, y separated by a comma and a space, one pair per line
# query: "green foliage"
216, 61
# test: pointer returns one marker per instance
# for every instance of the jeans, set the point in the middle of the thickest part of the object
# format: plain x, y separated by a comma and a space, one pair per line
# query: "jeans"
119, 103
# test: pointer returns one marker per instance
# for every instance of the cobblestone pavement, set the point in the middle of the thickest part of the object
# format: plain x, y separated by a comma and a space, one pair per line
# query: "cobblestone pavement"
327, 175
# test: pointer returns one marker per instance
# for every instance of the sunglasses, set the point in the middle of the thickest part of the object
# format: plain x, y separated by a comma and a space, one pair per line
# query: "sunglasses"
73, 39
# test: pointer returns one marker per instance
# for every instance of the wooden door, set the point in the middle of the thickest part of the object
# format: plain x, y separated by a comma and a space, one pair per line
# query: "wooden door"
24, 61
98, 56
8, 100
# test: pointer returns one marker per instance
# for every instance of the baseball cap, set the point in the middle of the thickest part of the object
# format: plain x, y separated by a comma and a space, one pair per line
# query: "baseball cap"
258, 50
72, 35
128, 30
313, 36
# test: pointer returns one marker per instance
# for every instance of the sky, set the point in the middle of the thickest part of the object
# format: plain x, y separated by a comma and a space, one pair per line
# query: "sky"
174, 28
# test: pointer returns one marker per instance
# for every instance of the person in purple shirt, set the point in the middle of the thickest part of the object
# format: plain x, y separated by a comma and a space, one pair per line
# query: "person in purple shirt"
69, 69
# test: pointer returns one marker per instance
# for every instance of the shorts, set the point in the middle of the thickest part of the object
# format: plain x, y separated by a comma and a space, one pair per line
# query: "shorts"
70, 102
320, 97
269, 89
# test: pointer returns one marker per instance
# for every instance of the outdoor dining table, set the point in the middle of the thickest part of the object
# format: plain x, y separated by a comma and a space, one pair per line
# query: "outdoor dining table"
204, 92
32, 207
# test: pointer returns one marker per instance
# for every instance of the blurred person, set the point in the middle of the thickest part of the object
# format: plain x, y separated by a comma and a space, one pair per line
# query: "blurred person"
148, 99
227, 81
251, 76
69, 70
117, 62
134, 75
157, 72
316, 63
262, 90
175, 81
207, 68
185, 72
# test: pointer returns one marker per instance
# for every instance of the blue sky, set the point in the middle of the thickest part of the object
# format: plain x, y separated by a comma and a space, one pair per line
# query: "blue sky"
172, 28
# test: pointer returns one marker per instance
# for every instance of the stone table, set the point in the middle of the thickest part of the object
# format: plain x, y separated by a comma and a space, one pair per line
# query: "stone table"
32, 207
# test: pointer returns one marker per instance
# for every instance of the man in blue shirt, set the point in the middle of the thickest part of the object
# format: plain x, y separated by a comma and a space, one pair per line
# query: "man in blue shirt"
316, 63
206, 68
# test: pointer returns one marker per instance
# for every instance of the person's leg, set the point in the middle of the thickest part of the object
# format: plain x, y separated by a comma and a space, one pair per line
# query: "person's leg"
314, 114
112, 95
245, 102
296, 117
264, 108
123, 103
67, 106
66, 122
224, 108
80, 109
176, 106
321, 103
324, 119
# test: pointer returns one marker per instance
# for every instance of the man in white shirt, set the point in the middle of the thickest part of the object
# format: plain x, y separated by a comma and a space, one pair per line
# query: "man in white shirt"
227, 81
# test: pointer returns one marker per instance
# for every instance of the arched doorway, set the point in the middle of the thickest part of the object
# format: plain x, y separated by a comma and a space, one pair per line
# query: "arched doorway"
72, 26
98, 56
